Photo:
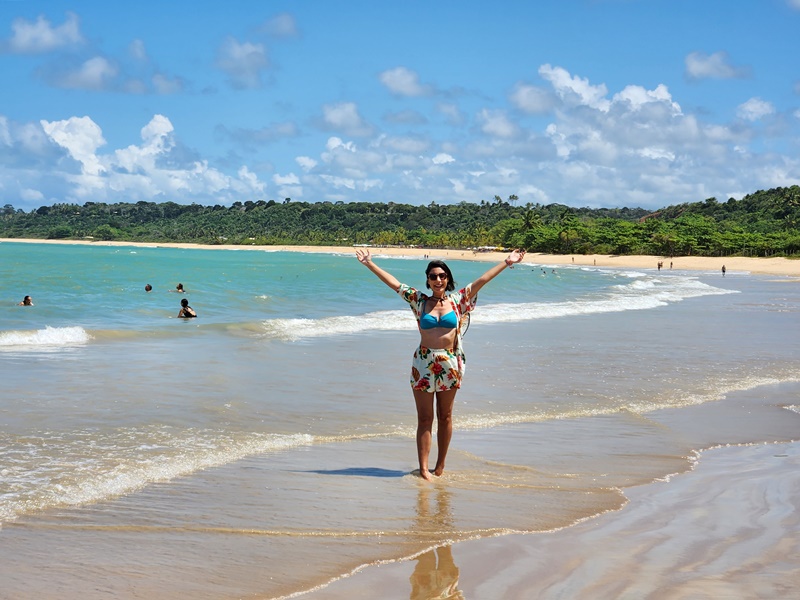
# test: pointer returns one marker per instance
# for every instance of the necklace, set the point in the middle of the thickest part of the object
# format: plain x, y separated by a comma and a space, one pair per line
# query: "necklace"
442, 299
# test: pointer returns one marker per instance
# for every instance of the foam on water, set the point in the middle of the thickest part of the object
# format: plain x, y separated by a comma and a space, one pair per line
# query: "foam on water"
49, 337
643, 293
68, 470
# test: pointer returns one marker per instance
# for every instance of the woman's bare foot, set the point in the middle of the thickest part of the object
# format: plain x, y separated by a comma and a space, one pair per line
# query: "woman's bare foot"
438, 470
425, 474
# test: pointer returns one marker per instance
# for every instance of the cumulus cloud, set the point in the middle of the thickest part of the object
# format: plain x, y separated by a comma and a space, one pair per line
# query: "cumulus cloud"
755, 109
306, 163
574, 90
158, 167
41, 36
496, 123
97, 73
243, 63
442, 159
713, 66
344, 117
401, 81
532, 99
81, 137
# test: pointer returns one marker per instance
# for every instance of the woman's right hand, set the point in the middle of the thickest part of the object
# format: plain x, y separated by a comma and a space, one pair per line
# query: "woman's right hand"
363, 256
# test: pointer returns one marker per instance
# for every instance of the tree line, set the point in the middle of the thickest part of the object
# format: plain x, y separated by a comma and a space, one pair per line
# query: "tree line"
764, 223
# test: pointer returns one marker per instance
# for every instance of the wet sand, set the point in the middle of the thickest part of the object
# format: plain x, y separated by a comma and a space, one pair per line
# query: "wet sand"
730, 528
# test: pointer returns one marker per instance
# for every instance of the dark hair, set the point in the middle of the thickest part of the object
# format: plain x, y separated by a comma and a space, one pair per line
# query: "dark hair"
451, 284
184, 303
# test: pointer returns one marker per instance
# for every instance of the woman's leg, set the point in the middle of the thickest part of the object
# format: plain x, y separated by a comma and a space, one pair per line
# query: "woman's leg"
424, 402
444, 427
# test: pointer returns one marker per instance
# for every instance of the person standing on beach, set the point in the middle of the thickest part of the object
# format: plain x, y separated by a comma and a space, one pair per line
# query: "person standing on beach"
723, 270
438, 364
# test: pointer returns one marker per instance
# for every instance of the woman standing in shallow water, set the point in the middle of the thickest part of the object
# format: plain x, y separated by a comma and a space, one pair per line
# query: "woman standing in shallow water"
438, 364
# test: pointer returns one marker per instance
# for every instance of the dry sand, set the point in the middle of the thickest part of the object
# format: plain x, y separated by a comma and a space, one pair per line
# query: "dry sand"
733, 264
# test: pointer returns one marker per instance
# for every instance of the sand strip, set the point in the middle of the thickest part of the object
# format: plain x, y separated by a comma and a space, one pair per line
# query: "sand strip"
733, 264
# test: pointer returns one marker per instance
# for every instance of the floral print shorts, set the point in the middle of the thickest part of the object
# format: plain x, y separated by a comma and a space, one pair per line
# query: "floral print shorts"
436, 370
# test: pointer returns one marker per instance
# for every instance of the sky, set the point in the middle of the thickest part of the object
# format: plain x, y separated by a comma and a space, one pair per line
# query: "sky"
588, 103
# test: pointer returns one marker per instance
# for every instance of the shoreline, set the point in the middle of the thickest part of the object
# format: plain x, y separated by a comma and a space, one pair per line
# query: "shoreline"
728, 527
763, 266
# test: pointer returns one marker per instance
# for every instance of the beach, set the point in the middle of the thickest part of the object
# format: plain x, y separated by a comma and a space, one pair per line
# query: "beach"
695, 536
769, 266
623, 432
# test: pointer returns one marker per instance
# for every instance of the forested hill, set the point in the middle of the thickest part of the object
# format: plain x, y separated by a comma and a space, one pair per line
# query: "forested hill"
764, 223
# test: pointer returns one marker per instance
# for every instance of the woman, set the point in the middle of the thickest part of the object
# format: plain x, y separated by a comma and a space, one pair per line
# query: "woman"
438, 364
26, 301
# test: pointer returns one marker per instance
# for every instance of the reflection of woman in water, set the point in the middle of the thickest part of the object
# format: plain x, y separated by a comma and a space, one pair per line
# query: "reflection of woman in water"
438, 364
26, 301
187, 312
435, 574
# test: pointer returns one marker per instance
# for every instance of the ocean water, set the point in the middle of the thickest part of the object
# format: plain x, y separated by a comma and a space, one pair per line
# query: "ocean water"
266, 448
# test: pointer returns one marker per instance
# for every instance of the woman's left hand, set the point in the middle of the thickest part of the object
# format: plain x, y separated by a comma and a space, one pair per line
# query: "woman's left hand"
516, 256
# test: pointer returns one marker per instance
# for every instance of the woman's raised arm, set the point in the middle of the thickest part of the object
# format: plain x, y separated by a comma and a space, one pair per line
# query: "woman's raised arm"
365, 258
513, 258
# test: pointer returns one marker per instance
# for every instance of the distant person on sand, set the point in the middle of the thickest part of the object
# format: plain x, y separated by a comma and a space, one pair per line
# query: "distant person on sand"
723, 270
438, 364
26, 301
187, 312
148, 288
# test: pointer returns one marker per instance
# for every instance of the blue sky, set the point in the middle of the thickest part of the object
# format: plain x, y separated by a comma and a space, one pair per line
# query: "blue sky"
599, 103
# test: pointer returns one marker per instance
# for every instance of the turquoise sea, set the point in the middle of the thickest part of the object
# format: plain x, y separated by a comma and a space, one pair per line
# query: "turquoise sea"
265, 448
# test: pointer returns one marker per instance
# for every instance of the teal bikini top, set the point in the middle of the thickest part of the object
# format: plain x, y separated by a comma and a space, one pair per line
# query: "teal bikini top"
447, 321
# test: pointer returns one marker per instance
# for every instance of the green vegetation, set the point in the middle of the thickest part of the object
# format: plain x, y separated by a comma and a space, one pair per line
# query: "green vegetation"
761, 224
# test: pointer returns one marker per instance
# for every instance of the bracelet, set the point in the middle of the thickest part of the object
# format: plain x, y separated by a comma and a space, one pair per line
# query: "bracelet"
509, 264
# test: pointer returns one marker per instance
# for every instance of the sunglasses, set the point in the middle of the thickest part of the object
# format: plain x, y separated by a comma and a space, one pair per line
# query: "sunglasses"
435, 276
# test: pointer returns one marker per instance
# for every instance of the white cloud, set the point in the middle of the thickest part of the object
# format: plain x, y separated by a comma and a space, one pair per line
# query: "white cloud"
81, 137
497, 124
405, 144
306, 163
344, 117
40, 36
404, 82
96, 73
794, 4
451, 112
574, 90
442, 159
532, 99
243, 63
638, 96
290, 179
139, 172
30, 195
712, 66
754, 109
